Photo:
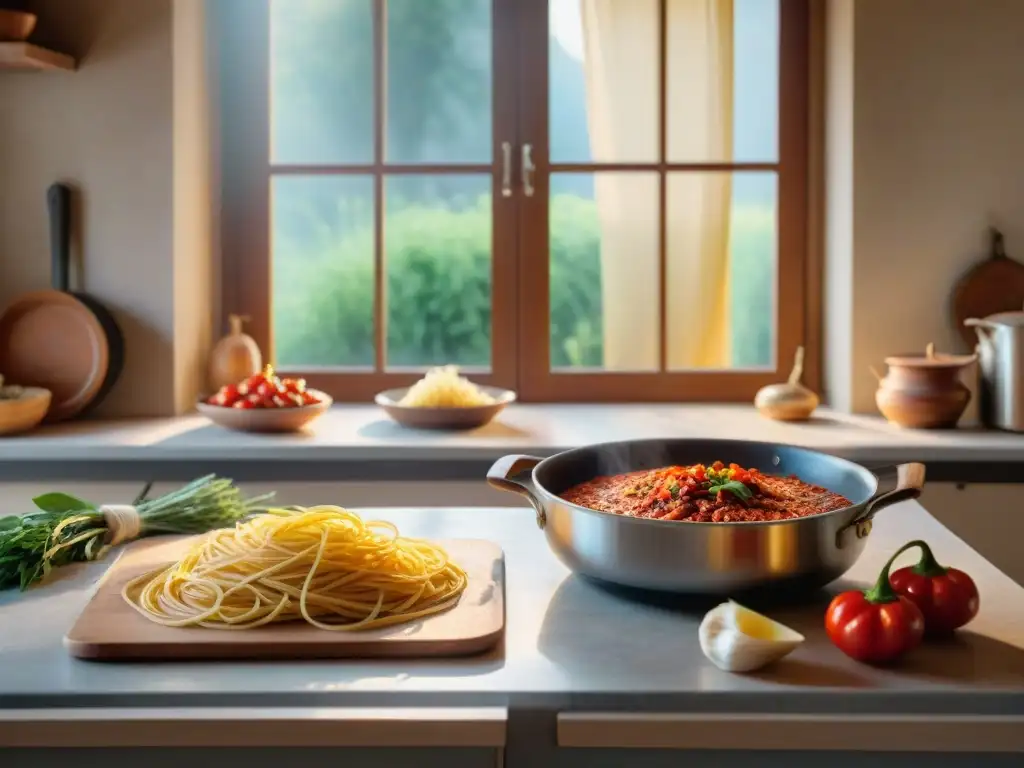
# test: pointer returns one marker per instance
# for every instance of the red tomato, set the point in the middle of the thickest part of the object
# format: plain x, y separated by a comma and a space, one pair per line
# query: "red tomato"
718, 466
308, 398
295, 386
244, 404
872, 629
948, 598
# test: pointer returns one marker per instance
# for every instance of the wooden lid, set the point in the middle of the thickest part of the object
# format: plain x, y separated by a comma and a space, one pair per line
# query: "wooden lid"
931, 359
52, 340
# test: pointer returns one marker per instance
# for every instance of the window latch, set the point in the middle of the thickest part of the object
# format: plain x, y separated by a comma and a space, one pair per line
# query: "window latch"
506, 169
528, 169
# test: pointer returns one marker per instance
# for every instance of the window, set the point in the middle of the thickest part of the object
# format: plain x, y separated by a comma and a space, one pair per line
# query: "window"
579, 199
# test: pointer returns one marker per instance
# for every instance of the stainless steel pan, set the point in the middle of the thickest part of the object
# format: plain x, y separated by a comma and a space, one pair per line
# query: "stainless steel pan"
705, 558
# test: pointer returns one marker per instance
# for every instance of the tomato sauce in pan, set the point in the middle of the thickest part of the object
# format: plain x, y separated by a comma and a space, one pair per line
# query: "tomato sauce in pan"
705, 494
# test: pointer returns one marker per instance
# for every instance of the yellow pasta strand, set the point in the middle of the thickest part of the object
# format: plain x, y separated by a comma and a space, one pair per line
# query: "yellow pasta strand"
324, 564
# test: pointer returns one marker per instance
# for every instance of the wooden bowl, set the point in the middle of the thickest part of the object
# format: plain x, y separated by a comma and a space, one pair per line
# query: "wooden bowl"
16, 26
443, 418
24, 413
266, 419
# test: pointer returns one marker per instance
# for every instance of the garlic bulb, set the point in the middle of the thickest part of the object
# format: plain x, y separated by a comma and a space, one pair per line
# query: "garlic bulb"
736, 639
791, 401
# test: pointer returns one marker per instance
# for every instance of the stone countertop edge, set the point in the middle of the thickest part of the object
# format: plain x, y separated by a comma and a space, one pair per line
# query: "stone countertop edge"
359, 442
561, 634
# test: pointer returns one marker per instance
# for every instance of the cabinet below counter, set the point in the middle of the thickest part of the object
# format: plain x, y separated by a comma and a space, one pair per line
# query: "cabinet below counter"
359, 443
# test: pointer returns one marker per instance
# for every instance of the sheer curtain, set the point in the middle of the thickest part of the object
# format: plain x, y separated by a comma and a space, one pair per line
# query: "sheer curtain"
699, 35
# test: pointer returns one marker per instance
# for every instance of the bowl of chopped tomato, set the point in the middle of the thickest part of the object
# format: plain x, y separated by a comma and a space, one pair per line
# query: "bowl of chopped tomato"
265, 402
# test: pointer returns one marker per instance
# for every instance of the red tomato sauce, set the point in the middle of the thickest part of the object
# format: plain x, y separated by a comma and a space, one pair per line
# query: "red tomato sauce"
705, 494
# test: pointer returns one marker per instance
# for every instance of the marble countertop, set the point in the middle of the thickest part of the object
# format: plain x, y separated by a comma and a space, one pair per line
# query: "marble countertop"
360, 442
569, 646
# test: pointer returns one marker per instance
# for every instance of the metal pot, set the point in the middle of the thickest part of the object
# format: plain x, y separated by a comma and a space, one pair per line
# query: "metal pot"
704, 558
1001, 351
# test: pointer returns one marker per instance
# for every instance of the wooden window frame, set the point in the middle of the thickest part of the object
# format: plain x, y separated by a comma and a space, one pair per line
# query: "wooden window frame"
520, 338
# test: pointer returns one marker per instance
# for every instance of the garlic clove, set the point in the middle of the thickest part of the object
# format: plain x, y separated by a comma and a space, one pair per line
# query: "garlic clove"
737, 639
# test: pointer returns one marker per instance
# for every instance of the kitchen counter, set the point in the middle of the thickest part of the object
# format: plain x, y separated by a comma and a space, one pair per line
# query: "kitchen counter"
588, 667
355, 442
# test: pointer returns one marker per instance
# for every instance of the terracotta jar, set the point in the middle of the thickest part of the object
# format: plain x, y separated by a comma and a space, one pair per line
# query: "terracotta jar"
924, 391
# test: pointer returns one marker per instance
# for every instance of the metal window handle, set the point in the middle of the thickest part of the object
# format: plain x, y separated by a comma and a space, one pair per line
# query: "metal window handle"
528, 168
506, 169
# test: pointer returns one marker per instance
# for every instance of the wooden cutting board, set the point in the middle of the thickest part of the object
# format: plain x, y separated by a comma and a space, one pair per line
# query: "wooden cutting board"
111, 629
994, 285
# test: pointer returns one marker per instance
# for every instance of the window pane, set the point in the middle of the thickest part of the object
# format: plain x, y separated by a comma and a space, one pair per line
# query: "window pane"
437, 239
723, 80
604, 271
603, 74
321, 81
439, 81
323, 270
720, 263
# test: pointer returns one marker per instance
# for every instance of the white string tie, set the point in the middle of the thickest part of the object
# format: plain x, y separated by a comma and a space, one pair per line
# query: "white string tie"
123, 522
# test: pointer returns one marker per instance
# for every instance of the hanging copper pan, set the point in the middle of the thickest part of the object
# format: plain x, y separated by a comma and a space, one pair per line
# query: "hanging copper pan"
66, 342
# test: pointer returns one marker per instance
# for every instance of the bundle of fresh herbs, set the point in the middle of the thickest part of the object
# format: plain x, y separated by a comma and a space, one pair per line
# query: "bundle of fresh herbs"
67, 529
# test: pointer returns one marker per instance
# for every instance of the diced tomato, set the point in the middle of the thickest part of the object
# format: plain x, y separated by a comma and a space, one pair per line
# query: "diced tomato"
294, 399
266, 389
294, 386
718, 466
664, 494
252, 384
243, 404
699, 473
308, 398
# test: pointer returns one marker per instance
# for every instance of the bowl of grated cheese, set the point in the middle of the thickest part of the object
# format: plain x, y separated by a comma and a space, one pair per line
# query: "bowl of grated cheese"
443, 399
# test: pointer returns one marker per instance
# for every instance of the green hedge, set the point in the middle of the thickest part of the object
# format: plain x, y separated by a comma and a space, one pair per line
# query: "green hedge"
439, 287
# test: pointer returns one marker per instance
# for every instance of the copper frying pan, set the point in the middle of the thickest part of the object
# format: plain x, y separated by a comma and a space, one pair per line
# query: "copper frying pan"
66, 342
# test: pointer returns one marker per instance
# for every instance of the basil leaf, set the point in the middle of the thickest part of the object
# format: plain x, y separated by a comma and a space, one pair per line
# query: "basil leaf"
60, 503
10, 523
735, 487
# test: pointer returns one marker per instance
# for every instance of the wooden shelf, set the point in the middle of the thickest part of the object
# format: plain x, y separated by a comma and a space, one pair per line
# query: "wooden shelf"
32, 57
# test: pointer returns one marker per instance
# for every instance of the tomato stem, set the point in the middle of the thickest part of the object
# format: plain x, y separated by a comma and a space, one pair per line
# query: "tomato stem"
883, 592
927, 565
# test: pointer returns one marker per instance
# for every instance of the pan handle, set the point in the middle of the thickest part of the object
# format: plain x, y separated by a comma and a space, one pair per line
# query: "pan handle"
907, 481
58, 202
515, 473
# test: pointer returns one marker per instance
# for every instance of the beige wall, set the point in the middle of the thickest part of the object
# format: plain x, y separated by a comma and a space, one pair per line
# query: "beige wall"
925, 150
112, 130
933, 144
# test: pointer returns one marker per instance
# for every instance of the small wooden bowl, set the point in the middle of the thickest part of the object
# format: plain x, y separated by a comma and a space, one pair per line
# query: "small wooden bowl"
16, 26
443, 418
24, 413
266, 419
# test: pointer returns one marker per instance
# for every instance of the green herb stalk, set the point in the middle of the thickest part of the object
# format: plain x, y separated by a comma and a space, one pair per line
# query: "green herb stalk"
67, 529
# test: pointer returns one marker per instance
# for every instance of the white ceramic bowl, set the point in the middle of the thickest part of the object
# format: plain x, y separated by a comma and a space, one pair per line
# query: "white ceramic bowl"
443, 418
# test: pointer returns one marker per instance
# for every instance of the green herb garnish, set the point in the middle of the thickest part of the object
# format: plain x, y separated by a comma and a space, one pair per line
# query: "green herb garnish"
735, 487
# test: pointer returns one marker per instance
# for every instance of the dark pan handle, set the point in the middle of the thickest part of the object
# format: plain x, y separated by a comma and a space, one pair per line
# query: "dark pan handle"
903, 483
515, 473
58, 202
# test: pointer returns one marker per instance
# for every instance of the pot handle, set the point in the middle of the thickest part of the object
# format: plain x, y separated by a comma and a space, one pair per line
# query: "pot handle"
514, 473
908, 481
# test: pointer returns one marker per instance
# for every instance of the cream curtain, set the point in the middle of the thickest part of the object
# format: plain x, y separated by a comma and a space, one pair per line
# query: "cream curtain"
619, 36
